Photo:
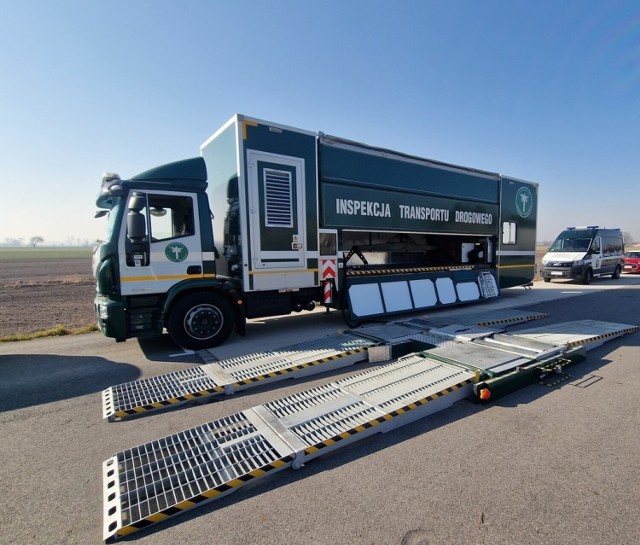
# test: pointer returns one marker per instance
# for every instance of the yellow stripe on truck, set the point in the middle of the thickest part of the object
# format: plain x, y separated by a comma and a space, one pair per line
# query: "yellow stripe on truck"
164, 277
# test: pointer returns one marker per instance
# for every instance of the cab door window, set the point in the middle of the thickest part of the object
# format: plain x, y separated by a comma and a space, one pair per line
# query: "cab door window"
170, 217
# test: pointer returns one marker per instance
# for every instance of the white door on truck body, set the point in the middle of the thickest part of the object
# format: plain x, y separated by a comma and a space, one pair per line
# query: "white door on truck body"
277, 221
170, 250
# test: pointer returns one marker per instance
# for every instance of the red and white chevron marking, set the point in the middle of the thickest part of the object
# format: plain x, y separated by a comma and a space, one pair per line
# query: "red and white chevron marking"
328, 268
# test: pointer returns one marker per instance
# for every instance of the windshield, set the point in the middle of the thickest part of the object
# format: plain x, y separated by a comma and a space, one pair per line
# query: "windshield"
570, 243
112, 218
632, 254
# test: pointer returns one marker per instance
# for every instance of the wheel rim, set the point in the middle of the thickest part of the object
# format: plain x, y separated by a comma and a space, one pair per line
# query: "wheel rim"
203, 322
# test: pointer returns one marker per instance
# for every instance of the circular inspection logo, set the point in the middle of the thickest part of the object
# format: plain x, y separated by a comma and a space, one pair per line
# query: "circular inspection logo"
176, 252
524, 202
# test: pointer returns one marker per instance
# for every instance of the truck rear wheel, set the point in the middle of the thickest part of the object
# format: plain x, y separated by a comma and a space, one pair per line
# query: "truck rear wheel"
616, 273
200, 320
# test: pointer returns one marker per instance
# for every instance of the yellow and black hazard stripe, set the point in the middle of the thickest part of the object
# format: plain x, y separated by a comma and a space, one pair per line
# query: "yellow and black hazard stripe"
610, 335
513, 320
280, 372
203, 497
389, 416
118, 415
372, 272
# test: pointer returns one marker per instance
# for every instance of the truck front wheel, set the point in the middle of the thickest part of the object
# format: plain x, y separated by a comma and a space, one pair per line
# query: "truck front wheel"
200, 320
587, 276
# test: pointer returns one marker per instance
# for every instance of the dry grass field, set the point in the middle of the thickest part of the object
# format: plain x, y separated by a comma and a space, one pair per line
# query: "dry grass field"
43, 288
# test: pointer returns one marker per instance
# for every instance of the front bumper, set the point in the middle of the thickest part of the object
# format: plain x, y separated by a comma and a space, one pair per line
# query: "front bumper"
631, 268
573, 272
111, 317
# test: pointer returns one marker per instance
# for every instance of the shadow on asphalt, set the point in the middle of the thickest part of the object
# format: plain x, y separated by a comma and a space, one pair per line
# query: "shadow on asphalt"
161, 349
33, 379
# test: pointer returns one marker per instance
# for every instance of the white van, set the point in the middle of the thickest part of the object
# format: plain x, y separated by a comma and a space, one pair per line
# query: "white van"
580, 253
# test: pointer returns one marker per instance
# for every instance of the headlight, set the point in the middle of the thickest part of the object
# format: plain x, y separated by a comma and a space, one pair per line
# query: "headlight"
105, 278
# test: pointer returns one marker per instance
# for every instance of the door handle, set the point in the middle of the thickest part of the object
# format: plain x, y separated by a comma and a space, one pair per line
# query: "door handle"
194, 269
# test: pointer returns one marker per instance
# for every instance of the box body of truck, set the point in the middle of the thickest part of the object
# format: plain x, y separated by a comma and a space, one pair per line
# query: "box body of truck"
364, 229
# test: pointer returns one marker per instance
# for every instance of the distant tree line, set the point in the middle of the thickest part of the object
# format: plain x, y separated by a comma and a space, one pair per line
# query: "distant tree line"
37, 239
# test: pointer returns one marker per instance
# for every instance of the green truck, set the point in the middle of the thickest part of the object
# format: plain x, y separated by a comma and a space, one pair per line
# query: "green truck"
270, 220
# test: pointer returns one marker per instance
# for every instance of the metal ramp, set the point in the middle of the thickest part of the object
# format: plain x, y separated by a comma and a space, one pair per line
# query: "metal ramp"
152, 482
232, 375
157, 480
504, 317
235, 374
587, 333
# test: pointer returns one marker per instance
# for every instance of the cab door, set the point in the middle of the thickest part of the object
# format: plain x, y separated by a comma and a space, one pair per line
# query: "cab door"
160, 246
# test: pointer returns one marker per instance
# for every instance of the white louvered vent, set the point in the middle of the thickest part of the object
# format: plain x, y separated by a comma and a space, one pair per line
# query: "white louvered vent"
278, 198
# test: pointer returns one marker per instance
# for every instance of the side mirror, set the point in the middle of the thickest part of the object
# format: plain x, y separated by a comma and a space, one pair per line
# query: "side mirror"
136, 226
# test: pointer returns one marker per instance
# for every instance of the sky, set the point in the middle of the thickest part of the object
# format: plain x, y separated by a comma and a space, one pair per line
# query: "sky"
543, 90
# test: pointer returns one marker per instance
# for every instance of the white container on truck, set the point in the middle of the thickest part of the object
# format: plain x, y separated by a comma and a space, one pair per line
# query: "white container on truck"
580, 253
272, 219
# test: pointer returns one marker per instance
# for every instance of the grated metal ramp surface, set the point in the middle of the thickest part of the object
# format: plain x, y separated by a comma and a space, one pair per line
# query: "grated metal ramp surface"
154, 481
151, 393
231, 375
495, 356
331, 352
587, 333
461, 332
488, 318
389, 332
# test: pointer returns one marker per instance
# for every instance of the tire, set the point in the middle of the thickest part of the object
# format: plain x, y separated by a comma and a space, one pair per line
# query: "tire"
200, 320
616, 273
348, 319
547, 279
587, 277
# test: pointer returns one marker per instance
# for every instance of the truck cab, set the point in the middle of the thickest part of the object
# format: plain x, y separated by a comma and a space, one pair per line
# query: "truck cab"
158, 253
580, 253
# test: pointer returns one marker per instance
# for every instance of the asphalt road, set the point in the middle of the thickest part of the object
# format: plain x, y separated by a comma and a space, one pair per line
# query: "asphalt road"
543, 465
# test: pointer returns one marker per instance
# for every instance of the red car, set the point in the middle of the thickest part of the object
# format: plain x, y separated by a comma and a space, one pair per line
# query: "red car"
632, 262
